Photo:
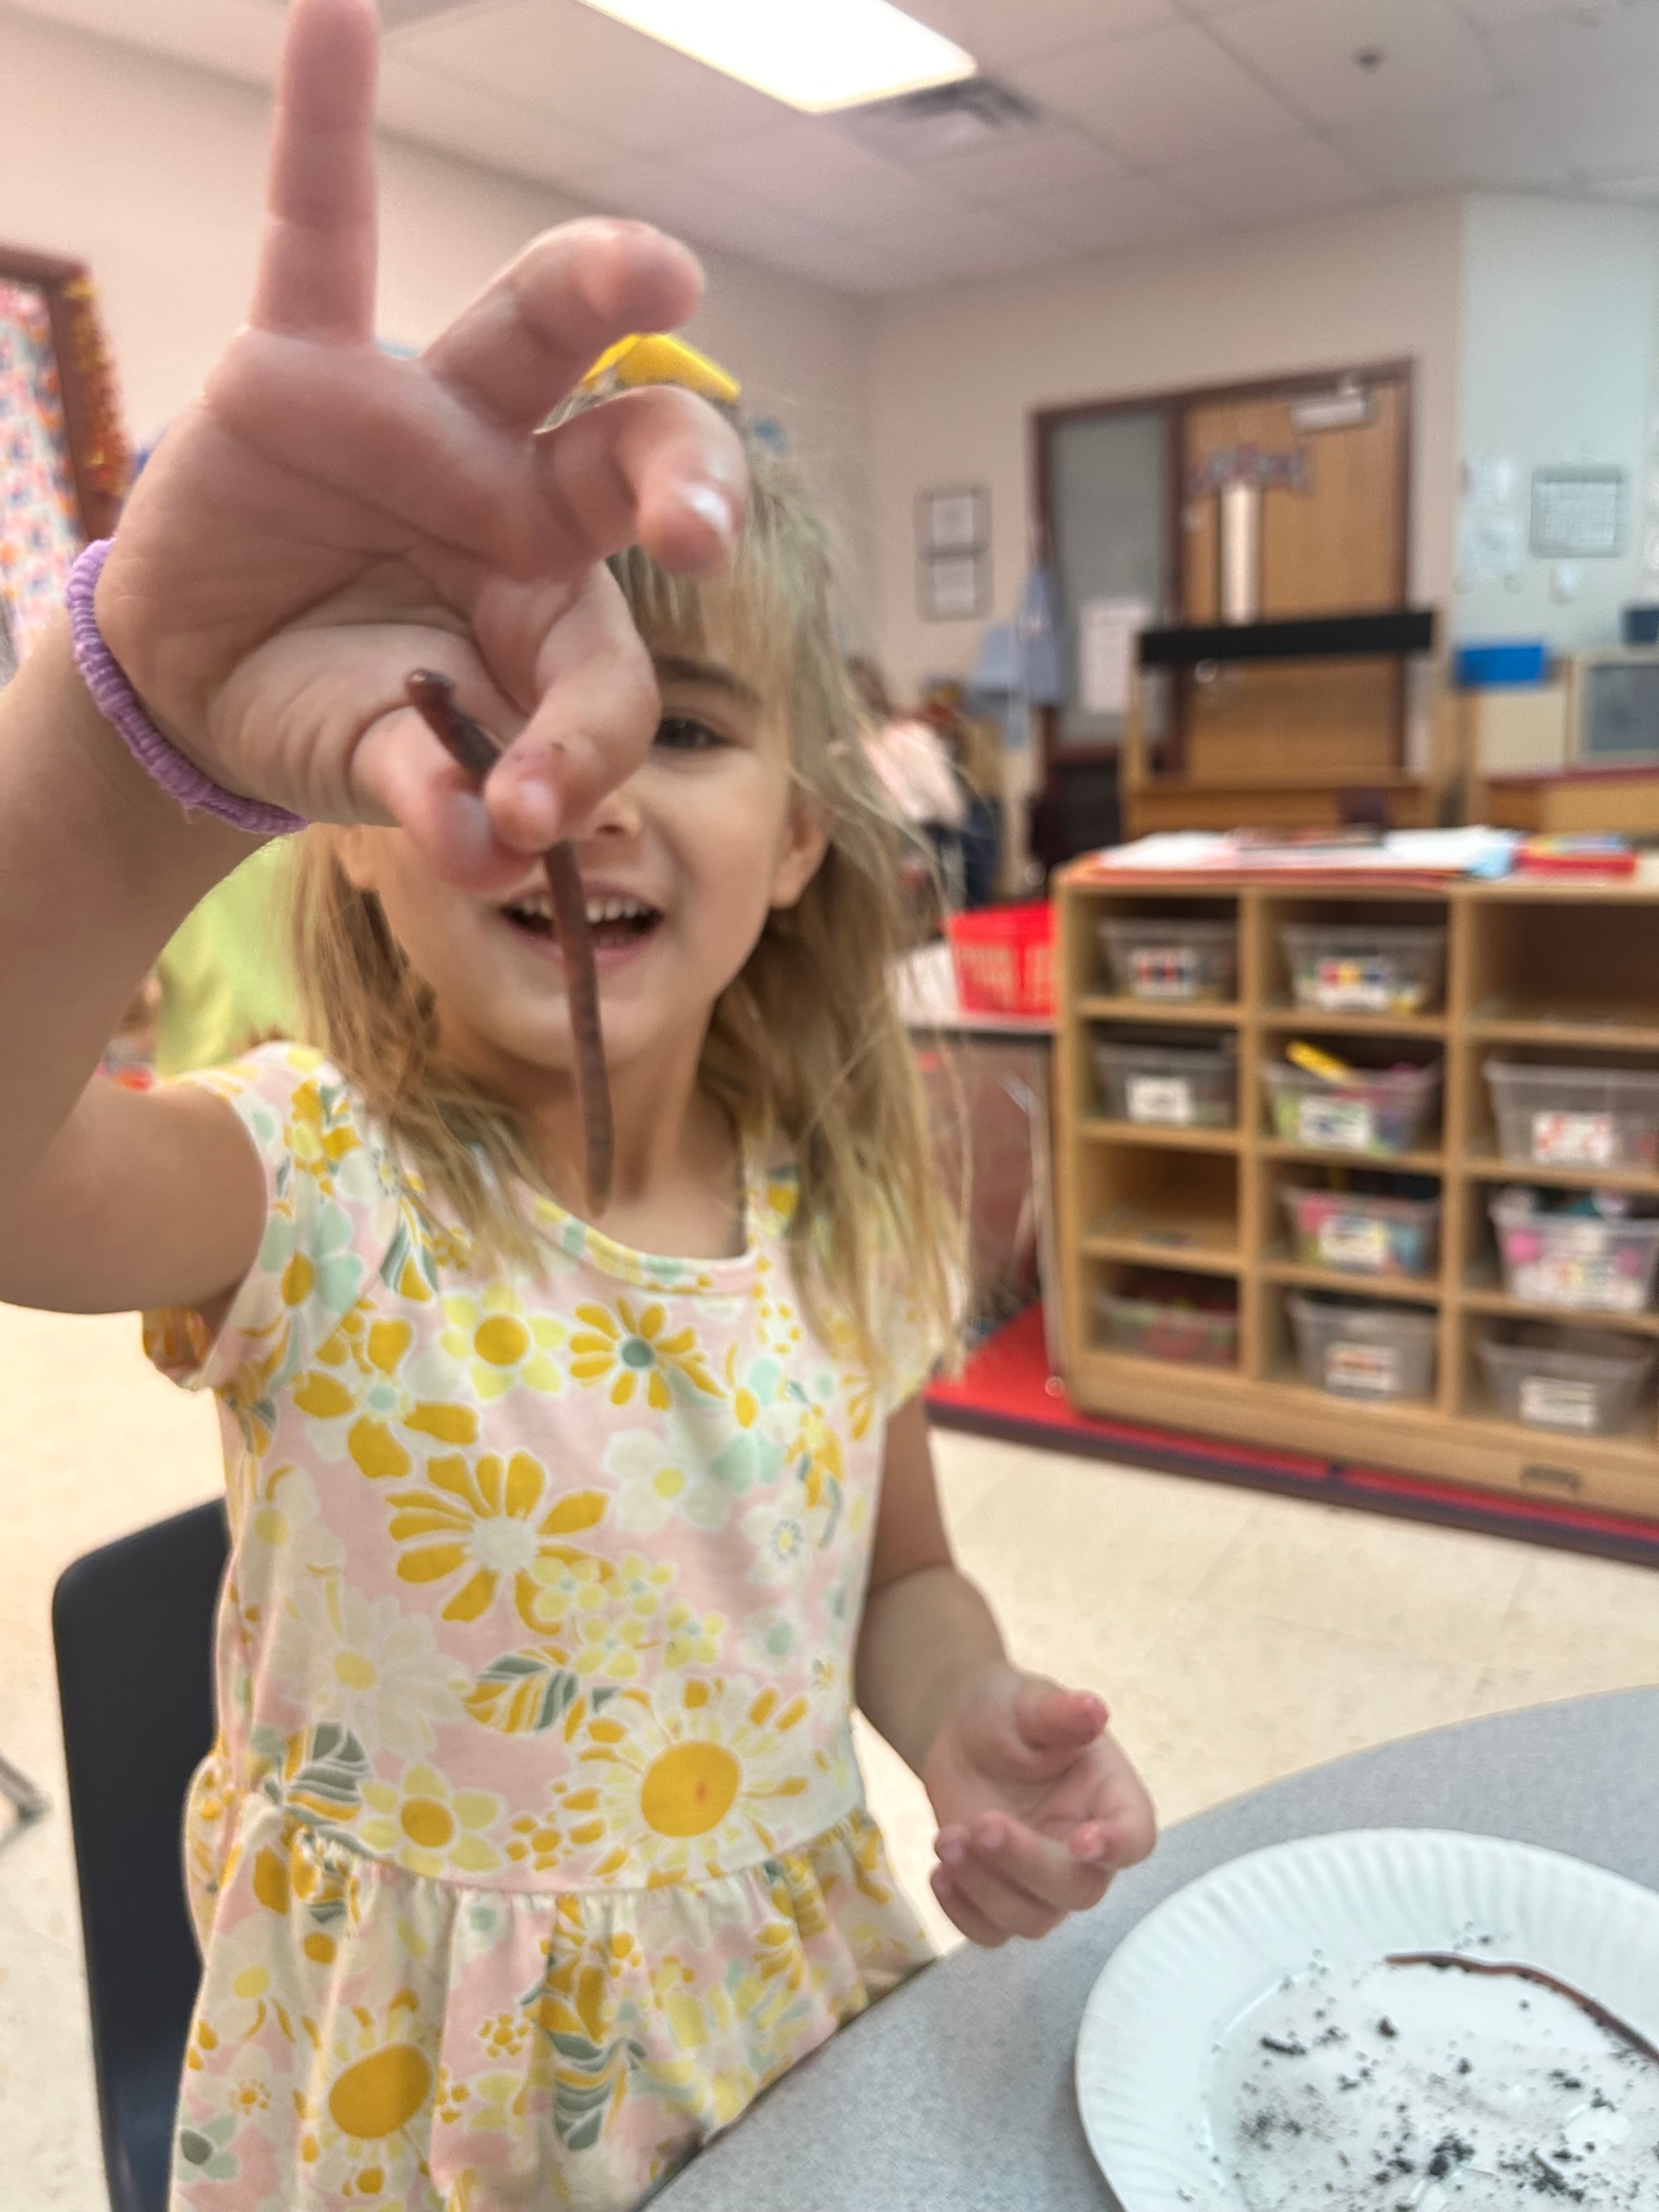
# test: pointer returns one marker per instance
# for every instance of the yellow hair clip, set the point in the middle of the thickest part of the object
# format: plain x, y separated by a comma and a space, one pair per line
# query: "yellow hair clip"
652, 357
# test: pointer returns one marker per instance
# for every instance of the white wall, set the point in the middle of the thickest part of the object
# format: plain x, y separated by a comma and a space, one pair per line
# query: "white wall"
958, 373
1560, 358
151, 172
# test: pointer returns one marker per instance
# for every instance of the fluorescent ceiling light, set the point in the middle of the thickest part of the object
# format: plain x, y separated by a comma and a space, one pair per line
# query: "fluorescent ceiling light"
816, 55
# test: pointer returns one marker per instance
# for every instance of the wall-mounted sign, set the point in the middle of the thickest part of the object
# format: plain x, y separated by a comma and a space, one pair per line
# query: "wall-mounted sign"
955, 521
1577, 513
954, 586
953, 553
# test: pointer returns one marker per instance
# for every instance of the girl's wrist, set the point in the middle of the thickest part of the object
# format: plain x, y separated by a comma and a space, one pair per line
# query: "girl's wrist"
111, 691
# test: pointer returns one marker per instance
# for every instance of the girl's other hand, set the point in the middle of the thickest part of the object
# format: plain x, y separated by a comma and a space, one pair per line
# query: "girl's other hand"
326, 518
1038, 1807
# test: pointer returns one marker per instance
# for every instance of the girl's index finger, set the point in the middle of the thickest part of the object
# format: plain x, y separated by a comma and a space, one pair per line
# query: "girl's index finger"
317, 258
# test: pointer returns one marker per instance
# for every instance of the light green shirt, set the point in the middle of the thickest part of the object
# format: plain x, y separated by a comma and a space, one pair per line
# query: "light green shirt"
227, 974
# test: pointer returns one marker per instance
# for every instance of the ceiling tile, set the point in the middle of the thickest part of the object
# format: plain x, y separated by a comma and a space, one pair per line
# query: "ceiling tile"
856, 264
1269, 183
1574, 44
1000, 33
1161, 96
441, 111
661, 192
1307, 50
1117, 218
1485, 13
804, 167
1046, 161
972, 241
1493, 143
592, 72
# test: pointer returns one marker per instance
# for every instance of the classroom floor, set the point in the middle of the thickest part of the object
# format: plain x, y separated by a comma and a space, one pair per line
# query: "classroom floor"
1238, 1637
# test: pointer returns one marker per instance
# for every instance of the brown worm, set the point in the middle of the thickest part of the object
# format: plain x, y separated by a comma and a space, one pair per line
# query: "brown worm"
1443, 1961
476, 753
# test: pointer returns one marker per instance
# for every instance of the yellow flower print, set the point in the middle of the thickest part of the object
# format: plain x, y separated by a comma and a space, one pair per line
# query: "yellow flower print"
365, 1398
357, 2114
692, 1777
502, 1345
488, 1522
428, 1826
626, 1347
536, 1840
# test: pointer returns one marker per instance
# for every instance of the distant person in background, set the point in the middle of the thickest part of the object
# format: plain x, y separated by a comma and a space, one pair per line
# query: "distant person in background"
975, 749
913, 768
225, 977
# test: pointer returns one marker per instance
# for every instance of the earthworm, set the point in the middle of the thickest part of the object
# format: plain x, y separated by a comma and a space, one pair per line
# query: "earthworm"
1444, 1961
476, 753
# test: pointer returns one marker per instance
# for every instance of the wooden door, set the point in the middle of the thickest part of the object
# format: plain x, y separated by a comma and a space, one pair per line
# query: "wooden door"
1336, 544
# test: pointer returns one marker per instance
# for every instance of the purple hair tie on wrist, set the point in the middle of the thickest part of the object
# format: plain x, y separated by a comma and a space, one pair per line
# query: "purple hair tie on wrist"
121, 707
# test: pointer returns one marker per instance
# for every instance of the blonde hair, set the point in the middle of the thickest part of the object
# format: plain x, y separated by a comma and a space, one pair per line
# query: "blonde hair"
804, 1047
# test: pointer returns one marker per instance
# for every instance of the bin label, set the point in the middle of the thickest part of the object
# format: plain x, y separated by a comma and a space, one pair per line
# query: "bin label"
1549, 1403
1164, 971
1580, 1278
1340, 1125
1349, 986
1164, 1098
1574, 1140
1354, 1241
1372, 1368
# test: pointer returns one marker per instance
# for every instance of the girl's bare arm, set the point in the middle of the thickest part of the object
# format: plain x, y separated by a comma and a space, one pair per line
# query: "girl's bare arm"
109, 1198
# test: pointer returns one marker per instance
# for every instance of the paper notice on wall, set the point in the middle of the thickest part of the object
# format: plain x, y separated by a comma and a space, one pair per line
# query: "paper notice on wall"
1107, 629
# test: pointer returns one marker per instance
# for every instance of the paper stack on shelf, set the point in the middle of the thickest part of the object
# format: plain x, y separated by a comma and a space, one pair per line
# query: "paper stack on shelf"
1441, 853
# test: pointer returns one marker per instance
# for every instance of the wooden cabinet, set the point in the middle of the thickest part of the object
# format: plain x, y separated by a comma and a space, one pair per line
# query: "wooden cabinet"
1542, 972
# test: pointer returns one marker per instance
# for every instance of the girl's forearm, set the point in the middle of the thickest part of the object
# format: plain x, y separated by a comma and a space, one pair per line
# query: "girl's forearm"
923, 1635
97, 868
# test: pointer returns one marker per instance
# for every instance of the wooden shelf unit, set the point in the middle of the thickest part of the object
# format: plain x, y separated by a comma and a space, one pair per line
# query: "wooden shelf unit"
1206, 1202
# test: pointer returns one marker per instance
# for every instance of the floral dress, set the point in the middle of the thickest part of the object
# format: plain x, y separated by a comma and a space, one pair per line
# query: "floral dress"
534, 1845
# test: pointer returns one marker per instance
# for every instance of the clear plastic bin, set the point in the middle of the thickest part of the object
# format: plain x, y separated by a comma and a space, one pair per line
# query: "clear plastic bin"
1593, 1263
1165, 1085
1580, 1117
1173, 960
1358, 970
1363, 1351
1363, 1232
1378, 1110
1176, 1317
1584, 1381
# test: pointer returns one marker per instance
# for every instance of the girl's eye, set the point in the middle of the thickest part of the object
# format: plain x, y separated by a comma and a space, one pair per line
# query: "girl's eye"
683, 733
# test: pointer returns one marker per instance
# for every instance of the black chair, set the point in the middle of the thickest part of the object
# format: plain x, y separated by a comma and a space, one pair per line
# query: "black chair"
133, 1627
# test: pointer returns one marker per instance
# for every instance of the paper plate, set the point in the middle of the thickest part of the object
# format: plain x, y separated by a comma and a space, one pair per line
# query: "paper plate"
1159, 2021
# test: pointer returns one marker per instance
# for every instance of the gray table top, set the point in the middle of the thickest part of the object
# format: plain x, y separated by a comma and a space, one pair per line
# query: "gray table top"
955, 2095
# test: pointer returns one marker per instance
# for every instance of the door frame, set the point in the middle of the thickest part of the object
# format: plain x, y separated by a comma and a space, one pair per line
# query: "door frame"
1176, 406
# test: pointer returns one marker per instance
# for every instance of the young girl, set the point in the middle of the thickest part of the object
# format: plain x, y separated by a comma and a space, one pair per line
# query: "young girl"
533, 1845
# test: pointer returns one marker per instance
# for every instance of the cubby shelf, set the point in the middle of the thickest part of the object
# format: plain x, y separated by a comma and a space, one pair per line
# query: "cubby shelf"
1400, 1289
1206, 1201
1299, 1021
1150, 1013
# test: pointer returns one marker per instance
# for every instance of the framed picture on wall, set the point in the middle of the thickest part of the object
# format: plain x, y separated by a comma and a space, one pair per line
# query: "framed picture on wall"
955, 520
954, 586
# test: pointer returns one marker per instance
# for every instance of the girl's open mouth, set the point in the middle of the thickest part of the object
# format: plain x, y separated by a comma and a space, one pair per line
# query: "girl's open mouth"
617, 923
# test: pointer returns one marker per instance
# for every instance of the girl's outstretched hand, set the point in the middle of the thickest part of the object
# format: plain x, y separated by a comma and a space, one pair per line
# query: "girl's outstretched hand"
1038, 1808
326, 518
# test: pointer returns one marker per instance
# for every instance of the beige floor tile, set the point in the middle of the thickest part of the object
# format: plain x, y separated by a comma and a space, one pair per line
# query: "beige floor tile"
1112, 1526
48, 2113
1437, 1592
1227, 1701
1561, 1598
